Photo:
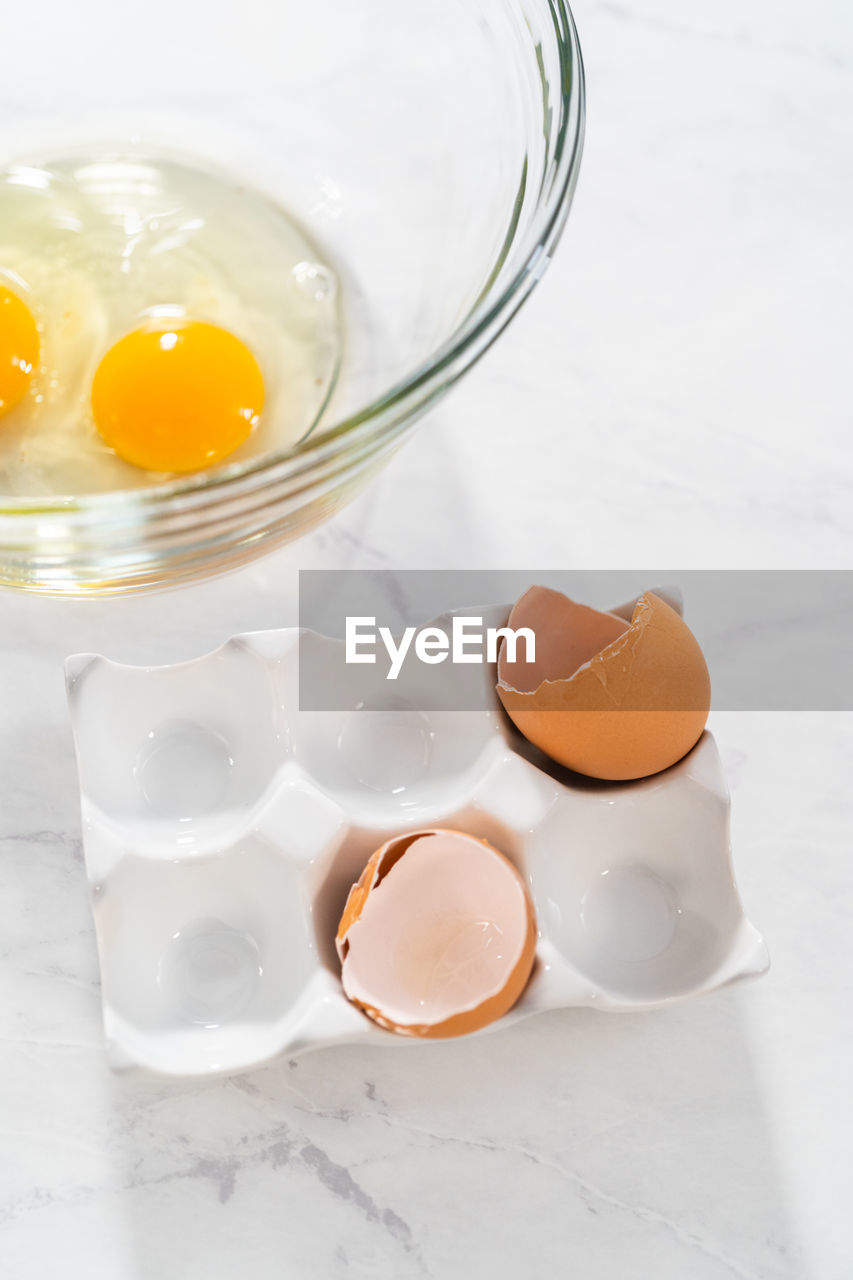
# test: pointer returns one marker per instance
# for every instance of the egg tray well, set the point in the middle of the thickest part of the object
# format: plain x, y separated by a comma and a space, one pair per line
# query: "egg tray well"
223, 829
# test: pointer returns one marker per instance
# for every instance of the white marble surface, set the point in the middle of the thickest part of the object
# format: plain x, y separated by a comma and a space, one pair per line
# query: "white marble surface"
673, 395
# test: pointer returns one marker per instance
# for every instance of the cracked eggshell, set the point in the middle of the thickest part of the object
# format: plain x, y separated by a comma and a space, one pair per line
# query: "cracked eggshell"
438, 936
608, 698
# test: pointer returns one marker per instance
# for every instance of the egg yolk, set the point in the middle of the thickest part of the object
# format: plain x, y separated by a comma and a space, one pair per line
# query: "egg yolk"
177, 398
19, 348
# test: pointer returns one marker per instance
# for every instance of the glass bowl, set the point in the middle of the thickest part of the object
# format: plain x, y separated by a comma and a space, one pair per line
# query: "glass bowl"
431, 150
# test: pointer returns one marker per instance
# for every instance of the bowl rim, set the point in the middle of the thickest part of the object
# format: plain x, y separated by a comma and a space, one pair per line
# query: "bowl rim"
393, 410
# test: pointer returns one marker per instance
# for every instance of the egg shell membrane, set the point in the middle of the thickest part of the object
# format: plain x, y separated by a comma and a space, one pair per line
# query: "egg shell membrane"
467, 1020
634, 705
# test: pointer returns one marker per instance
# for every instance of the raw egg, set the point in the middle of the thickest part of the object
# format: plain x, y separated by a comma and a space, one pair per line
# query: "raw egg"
437, 937
19, 348
177, 397
605, 696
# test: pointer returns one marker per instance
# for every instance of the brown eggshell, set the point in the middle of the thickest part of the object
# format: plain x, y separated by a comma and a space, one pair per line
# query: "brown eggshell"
492, 1006
606, 698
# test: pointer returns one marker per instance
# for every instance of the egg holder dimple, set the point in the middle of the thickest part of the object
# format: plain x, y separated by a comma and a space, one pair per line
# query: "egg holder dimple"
223, 828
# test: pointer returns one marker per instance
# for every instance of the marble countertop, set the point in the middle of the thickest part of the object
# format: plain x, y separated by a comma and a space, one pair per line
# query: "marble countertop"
682, 361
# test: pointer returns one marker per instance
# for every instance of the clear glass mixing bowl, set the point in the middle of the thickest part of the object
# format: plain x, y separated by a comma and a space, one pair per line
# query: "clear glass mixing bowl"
431, 149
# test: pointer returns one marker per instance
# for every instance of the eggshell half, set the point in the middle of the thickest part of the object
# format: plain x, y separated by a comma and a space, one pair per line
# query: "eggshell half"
438, 936
606, 697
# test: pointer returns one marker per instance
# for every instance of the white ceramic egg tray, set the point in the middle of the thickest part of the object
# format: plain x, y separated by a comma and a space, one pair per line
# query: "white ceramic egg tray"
223, 829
